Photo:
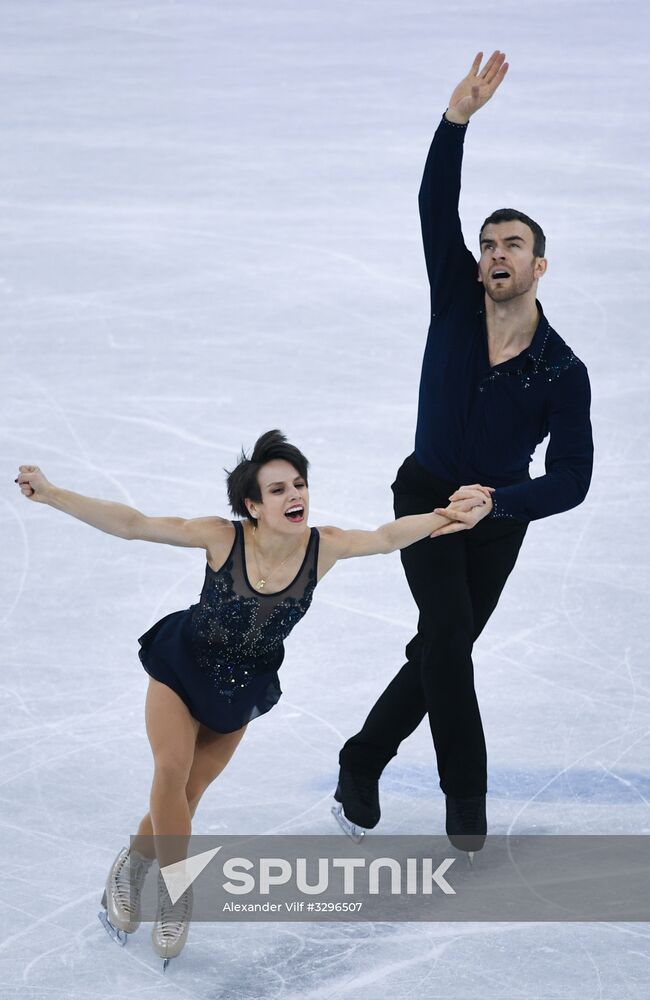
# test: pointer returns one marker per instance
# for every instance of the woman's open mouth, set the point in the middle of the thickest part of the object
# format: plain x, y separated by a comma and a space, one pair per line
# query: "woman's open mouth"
295, 514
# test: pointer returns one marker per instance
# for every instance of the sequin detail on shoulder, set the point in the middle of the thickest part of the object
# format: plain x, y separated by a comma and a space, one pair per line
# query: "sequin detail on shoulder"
236, 635
530, 374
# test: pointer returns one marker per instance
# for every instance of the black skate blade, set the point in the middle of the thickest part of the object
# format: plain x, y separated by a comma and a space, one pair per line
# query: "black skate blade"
120, 937
355, 833
166, 962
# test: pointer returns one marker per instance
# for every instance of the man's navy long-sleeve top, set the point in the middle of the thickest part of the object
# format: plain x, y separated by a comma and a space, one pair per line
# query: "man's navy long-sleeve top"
481, 424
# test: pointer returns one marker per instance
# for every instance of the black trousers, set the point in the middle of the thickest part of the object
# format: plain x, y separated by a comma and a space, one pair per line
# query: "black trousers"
456, 581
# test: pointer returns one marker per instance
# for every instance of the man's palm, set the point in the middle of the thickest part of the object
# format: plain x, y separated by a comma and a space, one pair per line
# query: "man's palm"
477, 88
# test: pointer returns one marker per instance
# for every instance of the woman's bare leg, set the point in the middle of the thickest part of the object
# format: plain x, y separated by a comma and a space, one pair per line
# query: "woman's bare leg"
172, 734
212, 752
211, 755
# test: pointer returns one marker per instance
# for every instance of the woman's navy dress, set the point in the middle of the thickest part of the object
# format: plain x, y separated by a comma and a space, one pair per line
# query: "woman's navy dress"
222, 655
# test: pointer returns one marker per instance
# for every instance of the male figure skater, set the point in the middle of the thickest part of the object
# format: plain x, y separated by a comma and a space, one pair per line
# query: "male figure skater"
496, 379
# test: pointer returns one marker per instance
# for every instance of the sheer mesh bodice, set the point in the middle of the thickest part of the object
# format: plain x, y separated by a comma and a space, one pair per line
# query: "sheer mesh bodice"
221, 656
237, 633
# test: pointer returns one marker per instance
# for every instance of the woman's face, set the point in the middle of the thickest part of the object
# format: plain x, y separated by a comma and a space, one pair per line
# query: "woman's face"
285, 498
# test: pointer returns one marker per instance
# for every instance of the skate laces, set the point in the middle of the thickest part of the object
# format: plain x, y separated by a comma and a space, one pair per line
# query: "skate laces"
129, 876
172, 917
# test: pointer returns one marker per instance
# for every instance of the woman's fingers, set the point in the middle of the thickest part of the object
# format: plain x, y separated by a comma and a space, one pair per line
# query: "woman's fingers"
452, 513
24, 479
449, 529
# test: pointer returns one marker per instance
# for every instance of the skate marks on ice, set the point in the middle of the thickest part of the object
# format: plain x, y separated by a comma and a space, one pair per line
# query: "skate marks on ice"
588, 691
20, 566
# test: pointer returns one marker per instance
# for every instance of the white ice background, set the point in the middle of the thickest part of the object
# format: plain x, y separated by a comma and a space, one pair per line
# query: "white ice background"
209, 228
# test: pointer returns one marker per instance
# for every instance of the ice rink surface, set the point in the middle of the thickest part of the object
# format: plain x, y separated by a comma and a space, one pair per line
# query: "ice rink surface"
210, 229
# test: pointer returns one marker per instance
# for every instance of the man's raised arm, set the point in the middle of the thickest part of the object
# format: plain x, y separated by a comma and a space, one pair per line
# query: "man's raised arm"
444, 249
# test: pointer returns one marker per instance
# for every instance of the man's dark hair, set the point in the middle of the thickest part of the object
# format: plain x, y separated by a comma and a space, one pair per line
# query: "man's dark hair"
510, 215
242, 481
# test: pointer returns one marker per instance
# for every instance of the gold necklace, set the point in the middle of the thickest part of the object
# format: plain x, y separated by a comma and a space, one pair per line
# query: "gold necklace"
263, 580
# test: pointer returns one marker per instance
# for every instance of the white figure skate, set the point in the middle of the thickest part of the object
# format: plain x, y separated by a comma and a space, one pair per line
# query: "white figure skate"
120, 915
172, 925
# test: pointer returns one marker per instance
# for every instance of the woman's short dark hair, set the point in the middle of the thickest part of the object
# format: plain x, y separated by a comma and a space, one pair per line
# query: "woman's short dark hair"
512, 215
242, 482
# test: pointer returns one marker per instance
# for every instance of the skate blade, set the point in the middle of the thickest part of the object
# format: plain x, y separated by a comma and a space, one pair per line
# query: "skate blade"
118, 935
355, 833
166, 962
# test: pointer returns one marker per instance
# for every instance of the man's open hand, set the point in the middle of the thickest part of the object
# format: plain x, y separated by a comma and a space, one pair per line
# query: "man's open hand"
476, 88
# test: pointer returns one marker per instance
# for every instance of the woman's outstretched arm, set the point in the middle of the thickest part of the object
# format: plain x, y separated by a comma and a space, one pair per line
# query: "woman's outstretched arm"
117, 518
404, 531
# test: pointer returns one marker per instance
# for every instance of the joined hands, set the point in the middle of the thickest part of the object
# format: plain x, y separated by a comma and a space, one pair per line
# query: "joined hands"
468, 505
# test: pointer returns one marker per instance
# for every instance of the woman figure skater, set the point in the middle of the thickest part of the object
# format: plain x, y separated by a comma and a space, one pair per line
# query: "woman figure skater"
214, 667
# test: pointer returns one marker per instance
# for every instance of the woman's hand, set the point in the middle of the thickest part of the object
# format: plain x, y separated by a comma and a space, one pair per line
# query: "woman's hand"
468, 506
33, 483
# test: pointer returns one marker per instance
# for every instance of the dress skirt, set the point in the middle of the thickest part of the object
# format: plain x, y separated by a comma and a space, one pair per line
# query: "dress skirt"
167, 655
